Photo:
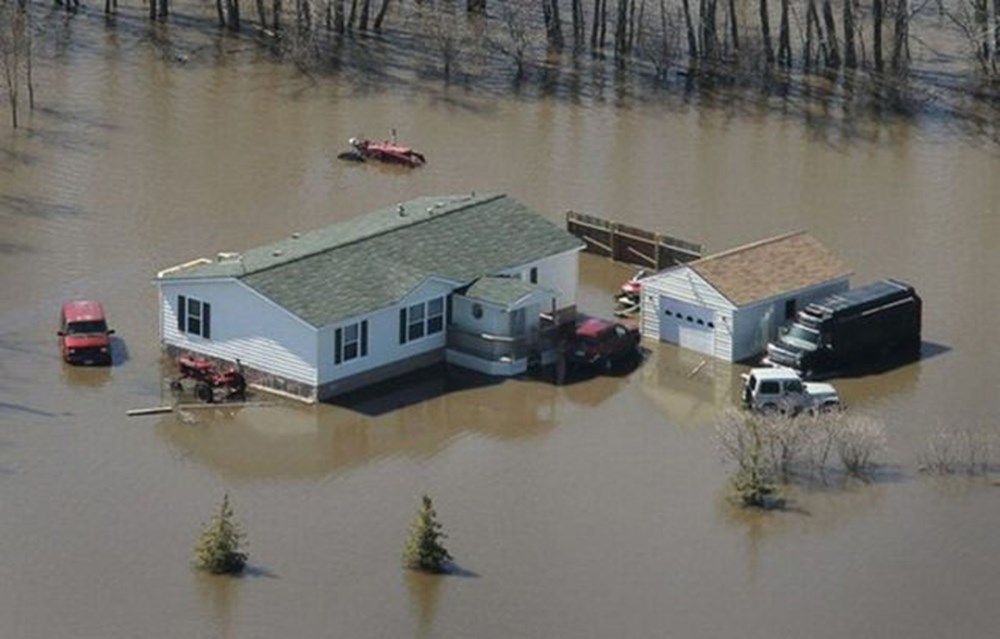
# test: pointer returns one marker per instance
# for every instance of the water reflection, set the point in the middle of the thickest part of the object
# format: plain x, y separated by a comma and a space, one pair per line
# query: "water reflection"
688, 387
84, 376
294, 441
221, 597
425, 593
825, 512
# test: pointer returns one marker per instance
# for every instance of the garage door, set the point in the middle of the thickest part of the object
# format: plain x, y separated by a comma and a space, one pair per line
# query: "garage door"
687, 325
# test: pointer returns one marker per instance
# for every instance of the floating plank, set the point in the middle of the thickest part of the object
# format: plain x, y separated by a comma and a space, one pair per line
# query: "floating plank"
154, 410
224, 405
159, 410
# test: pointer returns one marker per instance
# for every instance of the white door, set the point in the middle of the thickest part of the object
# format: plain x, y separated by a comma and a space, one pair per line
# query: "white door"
687, 325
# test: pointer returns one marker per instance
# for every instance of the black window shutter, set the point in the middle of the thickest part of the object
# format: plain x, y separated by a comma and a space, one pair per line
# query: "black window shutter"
206, 320
338, 341
364, 338
182, 313
402, 326
447, 310
533, 275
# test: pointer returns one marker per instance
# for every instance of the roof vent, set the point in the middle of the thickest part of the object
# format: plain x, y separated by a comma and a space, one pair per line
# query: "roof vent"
401, 210
296, 235
276, 252
226, 257
430, 210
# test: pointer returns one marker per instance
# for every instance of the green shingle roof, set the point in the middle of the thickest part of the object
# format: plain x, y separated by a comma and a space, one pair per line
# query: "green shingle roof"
505, 291
372, 261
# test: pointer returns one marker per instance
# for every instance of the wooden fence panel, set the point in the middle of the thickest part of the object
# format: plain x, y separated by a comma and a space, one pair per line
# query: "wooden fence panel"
630, 244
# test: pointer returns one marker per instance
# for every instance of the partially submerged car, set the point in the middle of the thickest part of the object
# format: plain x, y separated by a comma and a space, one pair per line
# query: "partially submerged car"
781, 391
602, 343
84, 337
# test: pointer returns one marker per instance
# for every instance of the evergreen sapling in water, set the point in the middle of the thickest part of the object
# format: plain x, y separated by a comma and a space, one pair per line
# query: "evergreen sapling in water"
218, 548
424, 550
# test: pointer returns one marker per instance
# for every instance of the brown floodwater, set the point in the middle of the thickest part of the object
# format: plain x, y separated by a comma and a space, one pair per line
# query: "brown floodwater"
592, 509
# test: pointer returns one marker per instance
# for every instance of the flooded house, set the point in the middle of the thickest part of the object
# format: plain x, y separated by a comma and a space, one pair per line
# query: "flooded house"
476, 281
730, 305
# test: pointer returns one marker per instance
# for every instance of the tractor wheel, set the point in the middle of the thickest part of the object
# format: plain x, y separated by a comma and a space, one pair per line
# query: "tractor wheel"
238, 388
203, 391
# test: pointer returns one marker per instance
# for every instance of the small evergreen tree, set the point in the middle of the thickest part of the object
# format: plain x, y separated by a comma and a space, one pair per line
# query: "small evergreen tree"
423, 549
218, 548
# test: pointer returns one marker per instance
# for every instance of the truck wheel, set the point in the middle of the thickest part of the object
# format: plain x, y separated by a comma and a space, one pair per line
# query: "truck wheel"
203, 391
770, 410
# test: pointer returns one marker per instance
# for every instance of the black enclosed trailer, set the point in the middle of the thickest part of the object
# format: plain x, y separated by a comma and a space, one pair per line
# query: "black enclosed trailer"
846, 329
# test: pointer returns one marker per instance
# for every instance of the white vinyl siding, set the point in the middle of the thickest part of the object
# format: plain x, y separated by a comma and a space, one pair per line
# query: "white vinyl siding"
559, 273
688, 289
244, 325
383, 335
739, 333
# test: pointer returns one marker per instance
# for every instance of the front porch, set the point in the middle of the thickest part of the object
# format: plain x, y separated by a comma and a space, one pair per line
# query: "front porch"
498, 328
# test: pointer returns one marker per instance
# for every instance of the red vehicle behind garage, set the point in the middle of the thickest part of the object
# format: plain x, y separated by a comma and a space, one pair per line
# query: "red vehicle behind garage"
84, 337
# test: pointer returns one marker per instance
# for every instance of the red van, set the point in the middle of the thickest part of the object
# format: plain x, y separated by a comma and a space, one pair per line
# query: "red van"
83, 333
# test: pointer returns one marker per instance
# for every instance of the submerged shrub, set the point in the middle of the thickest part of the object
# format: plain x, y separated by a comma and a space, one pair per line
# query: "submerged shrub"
218, 548
743, 438
768, 450
953, 452
858, 440
424, 550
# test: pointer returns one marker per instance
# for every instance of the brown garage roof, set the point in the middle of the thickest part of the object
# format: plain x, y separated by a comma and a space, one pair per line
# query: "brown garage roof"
764, 269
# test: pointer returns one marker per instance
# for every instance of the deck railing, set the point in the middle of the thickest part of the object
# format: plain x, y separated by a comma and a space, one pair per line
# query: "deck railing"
497, 348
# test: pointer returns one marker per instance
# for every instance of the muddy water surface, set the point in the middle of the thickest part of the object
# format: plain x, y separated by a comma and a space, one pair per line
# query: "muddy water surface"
593, 509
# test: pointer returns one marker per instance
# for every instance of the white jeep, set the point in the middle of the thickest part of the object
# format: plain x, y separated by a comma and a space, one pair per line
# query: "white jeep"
781, 390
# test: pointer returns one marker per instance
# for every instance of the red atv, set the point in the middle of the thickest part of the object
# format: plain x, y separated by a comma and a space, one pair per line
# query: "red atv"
211, 382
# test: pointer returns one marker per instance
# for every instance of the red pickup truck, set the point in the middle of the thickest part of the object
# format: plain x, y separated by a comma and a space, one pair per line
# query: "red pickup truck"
598, 342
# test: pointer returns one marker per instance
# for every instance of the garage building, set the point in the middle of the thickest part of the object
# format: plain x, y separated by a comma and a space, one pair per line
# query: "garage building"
731, 304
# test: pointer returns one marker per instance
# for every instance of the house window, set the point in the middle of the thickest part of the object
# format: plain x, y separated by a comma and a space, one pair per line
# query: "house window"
415, 322
350, 342
194, 316
419, 320
435, 316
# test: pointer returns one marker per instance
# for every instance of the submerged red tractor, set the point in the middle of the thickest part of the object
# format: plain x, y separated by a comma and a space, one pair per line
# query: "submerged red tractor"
212, 383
